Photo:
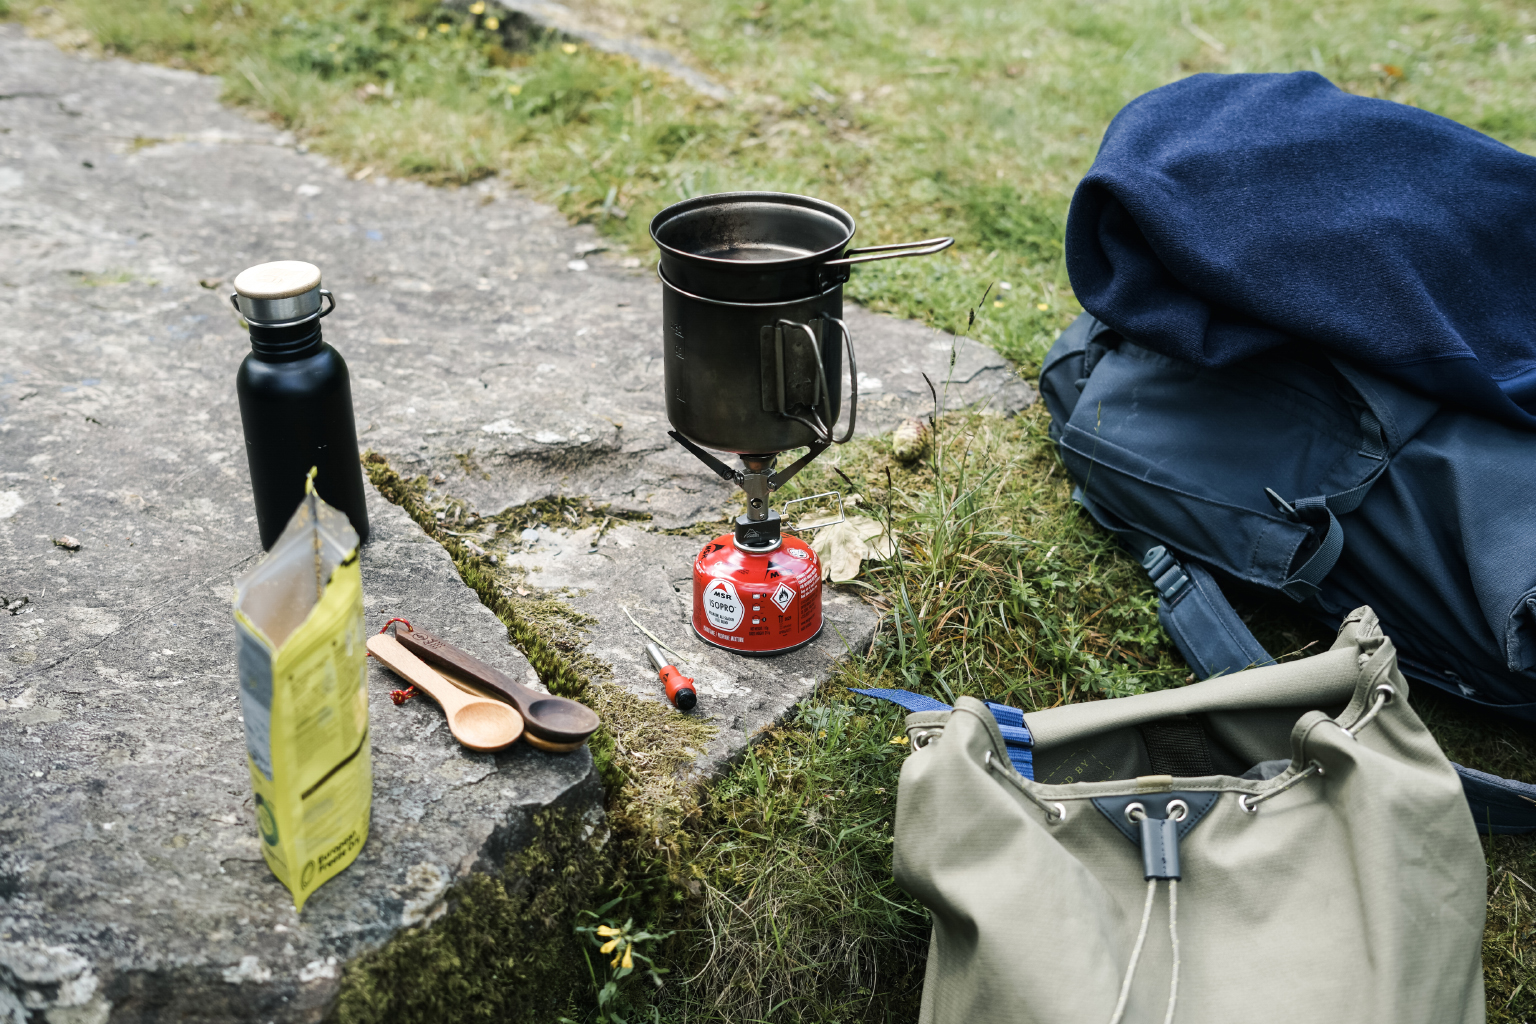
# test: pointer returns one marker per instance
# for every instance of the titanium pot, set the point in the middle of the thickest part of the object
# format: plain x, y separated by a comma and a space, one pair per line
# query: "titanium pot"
756, 378
764, 246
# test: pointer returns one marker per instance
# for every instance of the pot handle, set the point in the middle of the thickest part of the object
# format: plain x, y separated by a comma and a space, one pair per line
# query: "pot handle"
853, 382
927, 247
823, 430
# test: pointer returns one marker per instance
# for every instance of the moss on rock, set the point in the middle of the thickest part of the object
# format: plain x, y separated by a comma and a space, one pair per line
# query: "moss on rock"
505, 951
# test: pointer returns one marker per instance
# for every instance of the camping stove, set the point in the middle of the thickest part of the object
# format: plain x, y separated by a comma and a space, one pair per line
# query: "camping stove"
756, 590
753, 346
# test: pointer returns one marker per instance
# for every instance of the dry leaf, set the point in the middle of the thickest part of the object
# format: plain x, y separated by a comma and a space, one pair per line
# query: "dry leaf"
843, 547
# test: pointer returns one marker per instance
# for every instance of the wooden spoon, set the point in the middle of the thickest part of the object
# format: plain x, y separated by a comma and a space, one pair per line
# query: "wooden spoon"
477, 723
476, 689
557, 720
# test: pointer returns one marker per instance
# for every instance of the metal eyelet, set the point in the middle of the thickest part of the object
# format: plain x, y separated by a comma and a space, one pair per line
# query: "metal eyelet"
1380, 699
924, 737
988, 759
1135, 812
1242, 801
1180, 806
1058, 817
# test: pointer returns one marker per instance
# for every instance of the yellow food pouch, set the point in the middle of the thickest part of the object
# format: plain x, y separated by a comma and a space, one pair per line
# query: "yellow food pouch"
303, 691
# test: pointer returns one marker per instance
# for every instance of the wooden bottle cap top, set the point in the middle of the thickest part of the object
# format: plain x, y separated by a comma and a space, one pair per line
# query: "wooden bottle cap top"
281, 280
285, 293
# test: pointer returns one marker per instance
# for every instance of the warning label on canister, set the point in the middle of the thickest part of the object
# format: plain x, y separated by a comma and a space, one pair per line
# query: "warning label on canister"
721, 605
782, 596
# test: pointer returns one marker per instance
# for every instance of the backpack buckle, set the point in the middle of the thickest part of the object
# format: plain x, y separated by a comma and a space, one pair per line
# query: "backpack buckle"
1168, 577
1281, 505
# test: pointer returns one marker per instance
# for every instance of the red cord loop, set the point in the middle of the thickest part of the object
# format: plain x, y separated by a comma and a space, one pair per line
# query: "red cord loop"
399, 696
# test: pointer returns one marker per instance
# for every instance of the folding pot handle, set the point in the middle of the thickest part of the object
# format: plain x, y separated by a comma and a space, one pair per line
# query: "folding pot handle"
927, 247
853, 382
822, 395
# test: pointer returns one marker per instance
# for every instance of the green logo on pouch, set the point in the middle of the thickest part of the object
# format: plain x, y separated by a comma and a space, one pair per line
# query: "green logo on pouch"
266, 822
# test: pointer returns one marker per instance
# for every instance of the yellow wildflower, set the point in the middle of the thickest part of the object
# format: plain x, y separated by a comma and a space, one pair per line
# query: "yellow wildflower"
605, 931
443, 28
515, 89
493, 23
998, 303
900, 740
421, 33
629, 961
624, 956
477, 8
1042, 306
569, 48
609, 946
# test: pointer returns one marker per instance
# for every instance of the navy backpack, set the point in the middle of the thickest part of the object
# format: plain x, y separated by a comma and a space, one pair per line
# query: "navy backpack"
1297, 472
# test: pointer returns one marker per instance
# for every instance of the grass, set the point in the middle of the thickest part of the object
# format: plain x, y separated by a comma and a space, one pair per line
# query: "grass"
921, 118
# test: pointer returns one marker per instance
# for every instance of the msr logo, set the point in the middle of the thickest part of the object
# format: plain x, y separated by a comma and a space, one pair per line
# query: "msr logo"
722, 606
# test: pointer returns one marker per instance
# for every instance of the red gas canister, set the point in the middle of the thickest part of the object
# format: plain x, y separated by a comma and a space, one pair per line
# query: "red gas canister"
755, 600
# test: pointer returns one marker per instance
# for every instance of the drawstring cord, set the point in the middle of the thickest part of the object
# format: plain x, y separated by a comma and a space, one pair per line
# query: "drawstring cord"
1141, 939
1160, 854
1173, 937
1130, 968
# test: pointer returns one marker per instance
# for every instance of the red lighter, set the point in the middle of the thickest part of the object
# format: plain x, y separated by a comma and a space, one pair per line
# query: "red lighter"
680, 689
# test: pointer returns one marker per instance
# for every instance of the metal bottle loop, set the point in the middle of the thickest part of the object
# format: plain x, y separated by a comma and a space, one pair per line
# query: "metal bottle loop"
319, 314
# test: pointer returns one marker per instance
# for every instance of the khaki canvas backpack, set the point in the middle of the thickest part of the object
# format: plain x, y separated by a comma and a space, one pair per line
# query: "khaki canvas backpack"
1285, 844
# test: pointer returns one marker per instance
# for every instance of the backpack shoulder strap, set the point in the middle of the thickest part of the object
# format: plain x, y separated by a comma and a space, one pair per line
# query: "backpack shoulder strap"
1191, 606
1214, 640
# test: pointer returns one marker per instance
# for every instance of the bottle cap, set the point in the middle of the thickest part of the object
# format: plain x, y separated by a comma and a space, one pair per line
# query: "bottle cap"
284, 292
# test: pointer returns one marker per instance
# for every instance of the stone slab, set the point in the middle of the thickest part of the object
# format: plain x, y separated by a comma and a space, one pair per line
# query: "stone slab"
624, 576
130, 843
491, 345
131, 881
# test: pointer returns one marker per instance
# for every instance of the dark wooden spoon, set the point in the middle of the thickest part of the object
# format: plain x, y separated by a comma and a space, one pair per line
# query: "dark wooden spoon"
557, 720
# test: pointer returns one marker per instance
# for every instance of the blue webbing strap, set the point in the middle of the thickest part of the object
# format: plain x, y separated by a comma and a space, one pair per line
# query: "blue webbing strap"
1010, 722
1307, 580
907, 699
1191, 607
1375, 443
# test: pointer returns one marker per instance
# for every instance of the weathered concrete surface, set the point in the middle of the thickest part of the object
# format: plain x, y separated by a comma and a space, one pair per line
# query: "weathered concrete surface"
130, 843
623, 575
479, 351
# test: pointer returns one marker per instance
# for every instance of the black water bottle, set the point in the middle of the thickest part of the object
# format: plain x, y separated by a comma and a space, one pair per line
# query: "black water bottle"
295, 399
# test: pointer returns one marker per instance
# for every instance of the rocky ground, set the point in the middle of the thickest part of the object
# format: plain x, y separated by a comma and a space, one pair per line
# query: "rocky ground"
492, 346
